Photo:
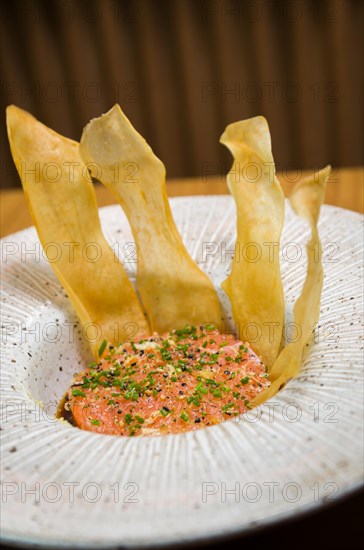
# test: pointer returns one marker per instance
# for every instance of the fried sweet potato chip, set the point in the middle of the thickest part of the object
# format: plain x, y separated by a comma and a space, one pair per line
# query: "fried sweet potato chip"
254, 285
62, 202
306, 199
174, 291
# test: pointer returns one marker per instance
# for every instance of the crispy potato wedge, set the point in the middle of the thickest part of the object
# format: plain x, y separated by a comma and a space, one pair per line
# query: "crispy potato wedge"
254, 285
174, 291
306, 199
62, 202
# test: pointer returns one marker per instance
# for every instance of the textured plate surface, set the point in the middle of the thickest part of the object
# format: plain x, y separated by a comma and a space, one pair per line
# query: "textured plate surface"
302, 448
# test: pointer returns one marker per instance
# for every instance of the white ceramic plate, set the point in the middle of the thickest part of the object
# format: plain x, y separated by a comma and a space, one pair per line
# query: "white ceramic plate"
68, 488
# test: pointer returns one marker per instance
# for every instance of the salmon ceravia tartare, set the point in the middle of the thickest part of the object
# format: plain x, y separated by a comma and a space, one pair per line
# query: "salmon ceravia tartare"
182, 380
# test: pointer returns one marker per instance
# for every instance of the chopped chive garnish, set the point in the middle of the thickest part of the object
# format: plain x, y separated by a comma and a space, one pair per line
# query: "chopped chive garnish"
95, 422
194, 399
211, 382
182, 347
245, 380
201, 389
165, 354
102, 347
86, 382
184, 416
76, 392
128, 418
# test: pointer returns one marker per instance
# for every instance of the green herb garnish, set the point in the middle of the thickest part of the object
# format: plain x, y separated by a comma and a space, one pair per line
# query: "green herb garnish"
165, 354
200, 388
102, 347
211, 382
195, 399
76, 392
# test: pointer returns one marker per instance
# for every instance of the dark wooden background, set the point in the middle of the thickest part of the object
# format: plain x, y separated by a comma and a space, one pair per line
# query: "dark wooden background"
183, 69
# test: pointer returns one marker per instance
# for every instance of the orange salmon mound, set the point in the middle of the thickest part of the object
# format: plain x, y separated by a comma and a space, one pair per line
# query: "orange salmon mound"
166, 384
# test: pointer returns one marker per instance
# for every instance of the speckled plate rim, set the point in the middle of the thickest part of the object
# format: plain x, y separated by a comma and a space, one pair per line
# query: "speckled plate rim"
219, 204
287, 518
